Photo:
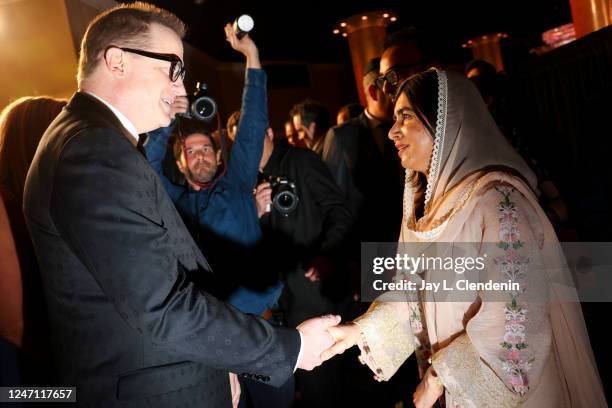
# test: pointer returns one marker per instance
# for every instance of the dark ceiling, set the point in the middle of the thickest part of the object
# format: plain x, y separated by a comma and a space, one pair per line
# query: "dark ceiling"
302, 30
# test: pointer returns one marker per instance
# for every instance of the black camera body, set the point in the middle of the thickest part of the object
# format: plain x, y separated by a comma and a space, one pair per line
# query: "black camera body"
284, 194
201, 105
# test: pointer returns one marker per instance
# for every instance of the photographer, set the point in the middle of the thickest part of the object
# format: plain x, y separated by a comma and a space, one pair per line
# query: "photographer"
216, 200
305, 233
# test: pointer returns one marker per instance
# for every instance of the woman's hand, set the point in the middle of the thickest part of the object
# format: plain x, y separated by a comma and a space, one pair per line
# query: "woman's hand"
345, 337
428, 391
244, 45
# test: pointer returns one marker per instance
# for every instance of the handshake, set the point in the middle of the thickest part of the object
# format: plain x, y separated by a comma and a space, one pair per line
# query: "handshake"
323, 338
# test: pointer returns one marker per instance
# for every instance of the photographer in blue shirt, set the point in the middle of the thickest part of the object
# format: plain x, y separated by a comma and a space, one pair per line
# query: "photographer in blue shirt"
216, 200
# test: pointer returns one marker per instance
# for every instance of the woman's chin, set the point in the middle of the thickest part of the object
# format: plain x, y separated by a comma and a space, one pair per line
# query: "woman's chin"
407, 163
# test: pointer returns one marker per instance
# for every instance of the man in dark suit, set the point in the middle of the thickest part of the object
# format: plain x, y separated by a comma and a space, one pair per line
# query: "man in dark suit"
365, 165
124, 281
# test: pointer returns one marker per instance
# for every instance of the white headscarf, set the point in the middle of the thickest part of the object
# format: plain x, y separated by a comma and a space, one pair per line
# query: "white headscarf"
466, 141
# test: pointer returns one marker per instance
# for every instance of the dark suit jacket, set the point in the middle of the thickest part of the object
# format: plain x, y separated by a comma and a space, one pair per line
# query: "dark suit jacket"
370, 179
130, 325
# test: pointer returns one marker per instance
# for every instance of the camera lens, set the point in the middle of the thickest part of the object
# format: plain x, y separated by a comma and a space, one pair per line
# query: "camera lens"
204, 108
285, 201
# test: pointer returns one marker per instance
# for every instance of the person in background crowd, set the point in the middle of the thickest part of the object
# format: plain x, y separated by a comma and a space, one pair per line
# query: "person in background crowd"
292, 136
23, 320
311, 122
365, 165
305, 241
232, 125
402, 57
350, 111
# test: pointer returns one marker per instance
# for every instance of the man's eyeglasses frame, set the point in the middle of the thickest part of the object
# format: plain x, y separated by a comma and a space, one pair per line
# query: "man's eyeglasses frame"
177, 69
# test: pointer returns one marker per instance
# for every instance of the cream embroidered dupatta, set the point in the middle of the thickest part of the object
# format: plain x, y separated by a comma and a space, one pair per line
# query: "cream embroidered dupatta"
487, 353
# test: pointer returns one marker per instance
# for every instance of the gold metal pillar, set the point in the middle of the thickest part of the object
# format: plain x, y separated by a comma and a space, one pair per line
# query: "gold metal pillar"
366, 34
590, 15
488, 48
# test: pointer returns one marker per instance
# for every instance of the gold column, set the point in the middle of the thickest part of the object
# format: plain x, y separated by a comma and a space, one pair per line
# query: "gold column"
488, 48
590, 15
366, 34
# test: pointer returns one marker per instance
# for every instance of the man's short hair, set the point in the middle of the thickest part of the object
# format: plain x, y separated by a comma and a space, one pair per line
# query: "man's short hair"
186, 128
125, 25
312, 111
369, 79
352, 110
370, 74
402, 36
233, 120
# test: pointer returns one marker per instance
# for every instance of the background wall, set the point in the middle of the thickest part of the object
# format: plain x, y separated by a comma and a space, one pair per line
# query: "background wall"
37, 50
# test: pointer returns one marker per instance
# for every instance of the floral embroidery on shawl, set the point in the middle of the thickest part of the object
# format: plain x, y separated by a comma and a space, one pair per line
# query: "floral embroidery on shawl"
513, 267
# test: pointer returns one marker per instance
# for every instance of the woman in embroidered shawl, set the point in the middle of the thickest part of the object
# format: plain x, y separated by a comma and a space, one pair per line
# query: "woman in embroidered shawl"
465, 184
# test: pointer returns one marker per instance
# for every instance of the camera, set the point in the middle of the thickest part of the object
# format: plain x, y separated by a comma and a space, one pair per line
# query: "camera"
201, 105
284, 194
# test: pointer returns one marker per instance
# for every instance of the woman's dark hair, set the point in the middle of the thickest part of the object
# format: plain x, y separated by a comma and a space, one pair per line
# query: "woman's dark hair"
422, 92
22, 124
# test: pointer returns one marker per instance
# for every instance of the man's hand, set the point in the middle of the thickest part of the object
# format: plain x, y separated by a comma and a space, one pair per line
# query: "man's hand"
428, 391
235, 389
315, 339
244, 45
180, 105
263, 198
345, 336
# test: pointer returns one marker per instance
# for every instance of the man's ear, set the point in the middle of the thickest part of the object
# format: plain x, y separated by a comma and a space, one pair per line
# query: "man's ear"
115, 62
373, 92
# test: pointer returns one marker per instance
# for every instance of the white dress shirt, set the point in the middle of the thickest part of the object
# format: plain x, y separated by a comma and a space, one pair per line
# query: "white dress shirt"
125, 122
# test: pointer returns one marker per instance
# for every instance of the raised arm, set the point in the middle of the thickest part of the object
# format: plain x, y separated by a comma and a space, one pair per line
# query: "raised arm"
248, 146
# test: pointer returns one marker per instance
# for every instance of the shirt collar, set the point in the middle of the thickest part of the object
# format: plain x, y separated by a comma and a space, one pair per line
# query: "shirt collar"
374, 122
125, 122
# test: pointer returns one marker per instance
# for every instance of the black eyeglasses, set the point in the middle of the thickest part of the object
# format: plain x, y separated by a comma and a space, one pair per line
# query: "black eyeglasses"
177, 70
391, 76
